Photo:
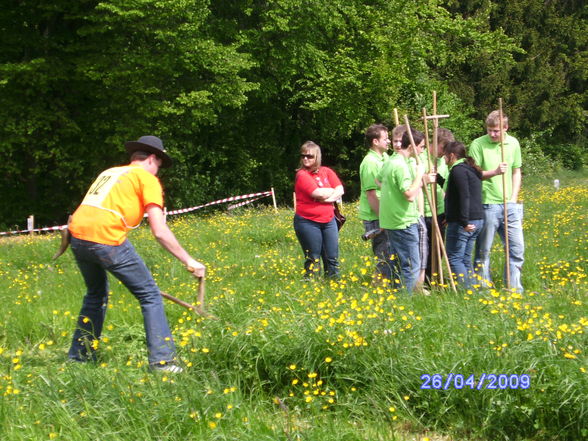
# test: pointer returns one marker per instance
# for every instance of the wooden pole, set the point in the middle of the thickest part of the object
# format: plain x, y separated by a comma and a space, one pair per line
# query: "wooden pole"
435, 147
396, 119
31, 223
434, 251
274, 199
437, 116
504, 199
437, 231
427, 144
438, 268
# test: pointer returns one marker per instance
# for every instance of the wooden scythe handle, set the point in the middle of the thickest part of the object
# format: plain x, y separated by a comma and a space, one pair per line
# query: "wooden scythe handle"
178, 301
65, 239
200, 309
201, 291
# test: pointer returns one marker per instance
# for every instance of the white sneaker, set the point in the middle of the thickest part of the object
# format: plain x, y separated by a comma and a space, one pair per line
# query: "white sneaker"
172, 368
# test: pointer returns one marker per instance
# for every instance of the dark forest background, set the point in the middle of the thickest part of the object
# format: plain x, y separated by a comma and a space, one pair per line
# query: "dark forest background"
234, 87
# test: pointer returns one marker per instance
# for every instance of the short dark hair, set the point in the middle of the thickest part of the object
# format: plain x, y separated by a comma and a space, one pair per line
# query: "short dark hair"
459, 150
139, 155
416, 135
374, 132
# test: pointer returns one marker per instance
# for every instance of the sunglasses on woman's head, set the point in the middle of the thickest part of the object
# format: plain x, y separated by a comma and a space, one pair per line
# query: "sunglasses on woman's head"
307, 156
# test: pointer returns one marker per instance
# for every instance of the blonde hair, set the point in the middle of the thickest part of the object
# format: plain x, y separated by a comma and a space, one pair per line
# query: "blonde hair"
311, 148
493, 119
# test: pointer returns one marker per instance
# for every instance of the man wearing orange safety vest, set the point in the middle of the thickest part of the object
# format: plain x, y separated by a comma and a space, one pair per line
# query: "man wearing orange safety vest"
116, 203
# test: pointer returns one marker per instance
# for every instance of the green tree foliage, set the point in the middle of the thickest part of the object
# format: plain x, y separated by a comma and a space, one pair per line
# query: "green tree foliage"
80, 78
327, 70
234, 87
545, 87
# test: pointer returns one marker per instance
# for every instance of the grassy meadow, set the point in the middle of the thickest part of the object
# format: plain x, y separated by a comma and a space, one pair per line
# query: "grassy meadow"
294, 360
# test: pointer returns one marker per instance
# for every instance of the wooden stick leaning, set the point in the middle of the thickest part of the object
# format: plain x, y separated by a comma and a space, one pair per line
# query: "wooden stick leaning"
435, 250
436, 231
505, 202
435, 147
439, 267
274, 200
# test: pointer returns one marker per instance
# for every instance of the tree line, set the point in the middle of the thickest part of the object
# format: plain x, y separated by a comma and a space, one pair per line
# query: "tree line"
234, 87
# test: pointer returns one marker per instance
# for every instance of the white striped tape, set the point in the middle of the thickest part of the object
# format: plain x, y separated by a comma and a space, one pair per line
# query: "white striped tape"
169, 213
240, 204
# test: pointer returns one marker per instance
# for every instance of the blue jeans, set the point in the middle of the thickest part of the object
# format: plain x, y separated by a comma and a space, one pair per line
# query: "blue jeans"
493, 223
459, 245
381, 249
405, 245
124, 263
318, 240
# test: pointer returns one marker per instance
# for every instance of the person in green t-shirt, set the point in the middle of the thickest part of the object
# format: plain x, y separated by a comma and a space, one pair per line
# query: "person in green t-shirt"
397, 133
486, 152
401, 184
376, 138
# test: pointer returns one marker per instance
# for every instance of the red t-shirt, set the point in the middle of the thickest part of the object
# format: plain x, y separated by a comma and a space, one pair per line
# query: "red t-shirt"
306, 183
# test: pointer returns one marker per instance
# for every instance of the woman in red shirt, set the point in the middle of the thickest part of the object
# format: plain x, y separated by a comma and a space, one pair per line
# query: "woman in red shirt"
316, 189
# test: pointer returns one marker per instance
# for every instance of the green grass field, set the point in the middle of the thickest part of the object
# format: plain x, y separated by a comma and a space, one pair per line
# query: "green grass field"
294, 360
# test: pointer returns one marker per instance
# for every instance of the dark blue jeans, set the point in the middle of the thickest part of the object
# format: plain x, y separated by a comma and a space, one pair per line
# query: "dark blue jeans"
318, 240
405, 246
459, 245
381, 249
94, 260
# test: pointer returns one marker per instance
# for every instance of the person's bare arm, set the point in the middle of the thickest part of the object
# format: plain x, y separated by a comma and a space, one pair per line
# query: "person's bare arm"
516, 184
336, 195
501, 169
320, 194
413, 191
167, 240
373, 201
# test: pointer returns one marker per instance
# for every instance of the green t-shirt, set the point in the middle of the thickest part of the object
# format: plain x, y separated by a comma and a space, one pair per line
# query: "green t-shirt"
368, 170
488, 156
396, 212
443, 171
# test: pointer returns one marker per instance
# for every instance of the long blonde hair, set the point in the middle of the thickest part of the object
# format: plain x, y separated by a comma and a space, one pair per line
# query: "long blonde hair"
311, 148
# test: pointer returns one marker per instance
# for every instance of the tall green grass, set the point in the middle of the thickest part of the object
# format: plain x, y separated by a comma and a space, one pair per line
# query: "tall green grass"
289, 359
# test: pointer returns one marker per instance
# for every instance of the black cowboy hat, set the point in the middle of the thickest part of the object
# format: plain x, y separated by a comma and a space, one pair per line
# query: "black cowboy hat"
150, 144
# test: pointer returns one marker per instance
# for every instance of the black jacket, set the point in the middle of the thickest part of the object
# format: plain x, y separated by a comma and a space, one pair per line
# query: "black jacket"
463, 198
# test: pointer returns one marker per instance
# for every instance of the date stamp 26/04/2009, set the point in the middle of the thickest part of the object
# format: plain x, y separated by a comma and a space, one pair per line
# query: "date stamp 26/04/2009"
484, 381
